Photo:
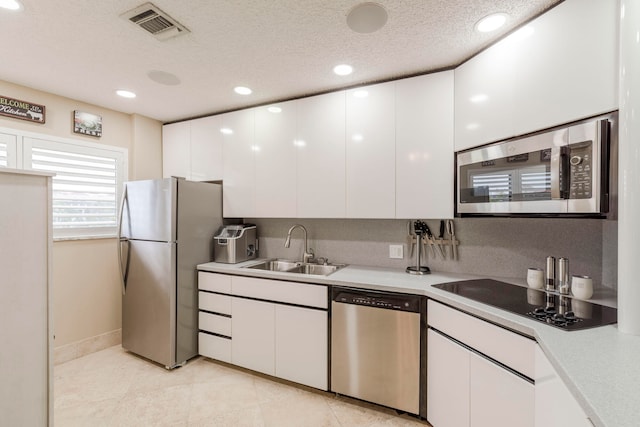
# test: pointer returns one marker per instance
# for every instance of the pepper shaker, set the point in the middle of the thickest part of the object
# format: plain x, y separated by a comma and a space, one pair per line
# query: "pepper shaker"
563, 276
550, 284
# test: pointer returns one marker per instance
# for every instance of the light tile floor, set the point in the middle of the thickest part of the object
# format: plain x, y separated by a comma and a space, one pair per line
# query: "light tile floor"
115, 388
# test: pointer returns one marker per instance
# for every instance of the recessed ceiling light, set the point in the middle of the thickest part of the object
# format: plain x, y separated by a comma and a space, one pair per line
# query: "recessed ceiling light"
491, 22
367, 18
10, 4
163, 78
226, 131
242, 90
360, 93
343, 69
125, 93
274, 109
357, 137
479, 98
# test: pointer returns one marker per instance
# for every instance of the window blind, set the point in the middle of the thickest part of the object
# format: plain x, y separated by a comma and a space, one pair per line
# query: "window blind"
86, 186
3, 155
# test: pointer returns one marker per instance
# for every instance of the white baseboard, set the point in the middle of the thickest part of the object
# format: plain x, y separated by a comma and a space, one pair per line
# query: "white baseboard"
81, 348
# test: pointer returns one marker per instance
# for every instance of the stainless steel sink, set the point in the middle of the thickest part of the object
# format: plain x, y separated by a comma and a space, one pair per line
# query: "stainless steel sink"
297, 267
276, 265
316, 269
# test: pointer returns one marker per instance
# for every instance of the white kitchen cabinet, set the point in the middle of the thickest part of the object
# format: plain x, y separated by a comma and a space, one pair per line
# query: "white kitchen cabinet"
477, 373
275, 327
206, 149
275, 160
567, 65
301, 345
424, 172
253, 335
447, 382
320, 144
193, 149
558, 68
26, 389
370, 151
176, 152
239, 186
555, 405
497, 397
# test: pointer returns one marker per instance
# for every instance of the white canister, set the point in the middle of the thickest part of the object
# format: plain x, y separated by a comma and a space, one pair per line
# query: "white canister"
582, 287
535, 278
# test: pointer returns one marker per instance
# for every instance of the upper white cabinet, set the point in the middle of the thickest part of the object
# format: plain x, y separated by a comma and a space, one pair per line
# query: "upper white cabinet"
176, 150
275, 160
560, 67
206, 149
370, 151
239, 186
193, 149
424, 146
320, 143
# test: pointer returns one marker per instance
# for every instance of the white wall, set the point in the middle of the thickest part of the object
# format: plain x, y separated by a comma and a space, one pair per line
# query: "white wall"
86, 287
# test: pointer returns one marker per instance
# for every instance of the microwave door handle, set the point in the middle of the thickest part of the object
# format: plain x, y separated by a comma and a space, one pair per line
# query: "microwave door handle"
555, 173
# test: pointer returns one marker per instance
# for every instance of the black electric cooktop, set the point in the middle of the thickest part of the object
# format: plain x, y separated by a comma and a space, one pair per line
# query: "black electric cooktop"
560, 311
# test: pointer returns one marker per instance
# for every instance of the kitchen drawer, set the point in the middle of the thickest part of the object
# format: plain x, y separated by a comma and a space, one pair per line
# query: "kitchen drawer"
214, 282
214, 302
214, 323
279, 291
511, 349
215, 347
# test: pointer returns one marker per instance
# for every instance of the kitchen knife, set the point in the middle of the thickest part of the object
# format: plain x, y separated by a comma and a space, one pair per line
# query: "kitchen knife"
452, 236
429, 234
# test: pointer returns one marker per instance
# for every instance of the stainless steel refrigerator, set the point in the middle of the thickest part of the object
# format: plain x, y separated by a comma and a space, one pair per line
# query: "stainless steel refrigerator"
166, 228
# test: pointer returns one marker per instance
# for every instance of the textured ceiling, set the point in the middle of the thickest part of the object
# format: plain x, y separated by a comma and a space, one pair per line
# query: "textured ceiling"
281, 49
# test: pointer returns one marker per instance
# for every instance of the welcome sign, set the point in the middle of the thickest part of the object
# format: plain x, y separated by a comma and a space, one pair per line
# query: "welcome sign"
23, 110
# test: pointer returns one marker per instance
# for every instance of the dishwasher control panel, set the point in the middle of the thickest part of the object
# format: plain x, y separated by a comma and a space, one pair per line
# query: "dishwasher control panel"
385, 301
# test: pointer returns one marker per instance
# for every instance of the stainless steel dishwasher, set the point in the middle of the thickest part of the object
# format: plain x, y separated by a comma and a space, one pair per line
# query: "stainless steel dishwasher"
378, 348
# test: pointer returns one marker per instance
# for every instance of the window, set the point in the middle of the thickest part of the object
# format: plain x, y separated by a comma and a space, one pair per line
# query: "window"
87, 185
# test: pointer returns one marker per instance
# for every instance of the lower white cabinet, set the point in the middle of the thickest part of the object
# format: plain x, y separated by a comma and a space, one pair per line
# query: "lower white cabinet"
498, 397
555, 405
270, 326
253, 335
465, 386
301, 348
447, 382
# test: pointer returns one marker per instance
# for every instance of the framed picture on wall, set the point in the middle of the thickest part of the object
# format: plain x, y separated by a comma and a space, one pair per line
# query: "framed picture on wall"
87, 123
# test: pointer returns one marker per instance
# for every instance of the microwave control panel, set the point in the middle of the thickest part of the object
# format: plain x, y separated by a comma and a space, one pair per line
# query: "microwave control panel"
581, 170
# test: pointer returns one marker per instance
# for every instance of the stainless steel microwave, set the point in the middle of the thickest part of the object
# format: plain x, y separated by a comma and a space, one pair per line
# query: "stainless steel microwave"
562, 171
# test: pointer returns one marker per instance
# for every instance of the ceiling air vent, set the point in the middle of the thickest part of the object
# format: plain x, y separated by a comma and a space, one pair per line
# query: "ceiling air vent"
153, 20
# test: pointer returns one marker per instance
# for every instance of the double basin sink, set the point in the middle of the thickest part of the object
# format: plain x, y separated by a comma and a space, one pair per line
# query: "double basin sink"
297, 267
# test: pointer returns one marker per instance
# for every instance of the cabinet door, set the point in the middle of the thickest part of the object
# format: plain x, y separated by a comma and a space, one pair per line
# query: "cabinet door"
275, 157
302, 346
206, 149
555, 406
370, 143
498, 398
253, 332
447, 382
176, 150
424, 146
321, 156
567, 65
239, 169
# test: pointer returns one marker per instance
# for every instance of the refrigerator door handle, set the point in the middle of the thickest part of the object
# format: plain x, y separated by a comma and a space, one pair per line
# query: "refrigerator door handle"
124, 271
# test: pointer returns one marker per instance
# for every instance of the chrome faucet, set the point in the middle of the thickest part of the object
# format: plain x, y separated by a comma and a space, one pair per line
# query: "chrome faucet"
307, 255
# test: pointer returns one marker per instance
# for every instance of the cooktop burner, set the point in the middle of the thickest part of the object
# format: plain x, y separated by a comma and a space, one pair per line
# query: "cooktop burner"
560, 311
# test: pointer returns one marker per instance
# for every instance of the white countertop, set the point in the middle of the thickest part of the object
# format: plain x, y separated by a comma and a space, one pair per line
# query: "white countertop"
600, 366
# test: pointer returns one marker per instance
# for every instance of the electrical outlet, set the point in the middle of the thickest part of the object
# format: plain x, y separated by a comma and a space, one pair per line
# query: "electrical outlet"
395, 251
